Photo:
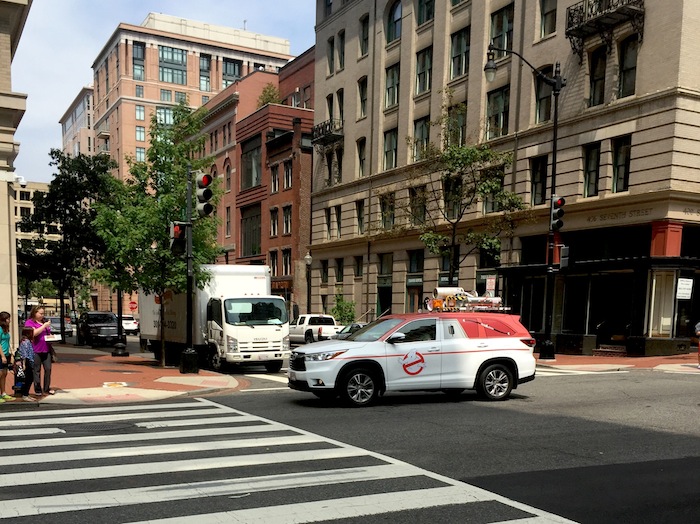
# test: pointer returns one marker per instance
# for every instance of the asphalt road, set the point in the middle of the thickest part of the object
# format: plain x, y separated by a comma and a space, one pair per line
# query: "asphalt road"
622, 447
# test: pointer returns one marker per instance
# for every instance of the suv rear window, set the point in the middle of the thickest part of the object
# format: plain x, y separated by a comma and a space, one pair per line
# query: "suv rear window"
497, 328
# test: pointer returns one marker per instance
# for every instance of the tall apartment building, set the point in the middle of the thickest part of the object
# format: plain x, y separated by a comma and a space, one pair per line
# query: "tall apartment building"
149, 68
77, 131
627, 161
13, 15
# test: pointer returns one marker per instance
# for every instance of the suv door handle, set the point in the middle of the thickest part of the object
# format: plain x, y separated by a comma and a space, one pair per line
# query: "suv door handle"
482, 345
433, 349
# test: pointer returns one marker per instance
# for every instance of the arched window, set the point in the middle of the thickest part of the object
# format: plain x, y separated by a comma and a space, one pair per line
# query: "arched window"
393, 30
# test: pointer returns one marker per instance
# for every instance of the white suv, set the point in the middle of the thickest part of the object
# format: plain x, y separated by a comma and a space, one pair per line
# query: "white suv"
450, 352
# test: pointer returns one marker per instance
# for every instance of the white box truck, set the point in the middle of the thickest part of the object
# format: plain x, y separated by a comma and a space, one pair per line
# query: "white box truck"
237, 320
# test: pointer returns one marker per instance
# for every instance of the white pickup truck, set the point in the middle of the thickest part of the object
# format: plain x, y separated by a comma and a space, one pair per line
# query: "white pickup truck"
312, 328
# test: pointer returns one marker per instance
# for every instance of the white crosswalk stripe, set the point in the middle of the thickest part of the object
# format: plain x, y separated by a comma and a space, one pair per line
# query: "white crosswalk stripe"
155, 462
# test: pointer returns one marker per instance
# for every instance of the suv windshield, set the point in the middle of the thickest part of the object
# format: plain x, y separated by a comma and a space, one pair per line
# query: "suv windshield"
375, 330
102, 318
255, 312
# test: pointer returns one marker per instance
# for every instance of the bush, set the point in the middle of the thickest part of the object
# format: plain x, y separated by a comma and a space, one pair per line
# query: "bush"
343, 311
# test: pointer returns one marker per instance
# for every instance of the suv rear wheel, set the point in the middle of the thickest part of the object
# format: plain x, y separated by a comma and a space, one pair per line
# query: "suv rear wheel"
495, 382
359, 387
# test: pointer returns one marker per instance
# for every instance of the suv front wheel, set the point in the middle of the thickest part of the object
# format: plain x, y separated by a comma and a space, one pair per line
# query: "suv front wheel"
359, 387
495, 382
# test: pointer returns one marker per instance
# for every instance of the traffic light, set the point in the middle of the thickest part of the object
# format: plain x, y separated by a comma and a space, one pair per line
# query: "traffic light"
556, 223
178, 239
204, 194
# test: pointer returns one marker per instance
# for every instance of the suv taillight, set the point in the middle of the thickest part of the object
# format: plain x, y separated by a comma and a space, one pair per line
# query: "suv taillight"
529, 342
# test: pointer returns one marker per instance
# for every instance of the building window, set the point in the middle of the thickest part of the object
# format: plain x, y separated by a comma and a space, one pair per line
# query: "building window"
228, 177
274, 220
250, 230
421, 138
329, 224
364, 35
416, 261
139, 54
417, 201
424, 69
591, 169
172, 65
341, 50
339, 164
497, 112
286, 262
231, 71
538, 175
362, 95
621, 163
461, 41
329, 8
329, 164
426, 11
339, 269
393, 30
138, 91
457, 125
205, 99
340, 96
273, 263
166, 95
251, 157
543, 92
140, 113
287, 220
496, 175
164, 115
628, 65
598, 65
548, 12
204, 72
287, 174
386, 206
359, 266
140, 154
361, 157
392, 85
329, 106
338, 221
452, 196
324, 271
228, 221
502, 30
308, 104
275, 178
140, 134
180, 97
391, 140
330, 54
360, 216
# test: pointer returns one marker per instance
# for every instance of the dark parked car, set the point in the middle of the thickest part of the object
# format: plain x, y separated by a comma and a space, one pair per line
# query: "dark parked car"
98, 328
349, 330
56, 326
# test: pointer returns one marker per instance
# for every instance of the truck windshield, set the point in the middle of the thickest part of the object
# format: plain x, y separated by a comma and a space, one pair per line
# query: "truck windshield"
256, 311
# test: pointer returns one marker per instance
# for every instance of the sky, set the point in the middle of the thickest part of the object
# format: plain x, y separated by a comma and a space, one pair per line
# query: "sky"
62, 38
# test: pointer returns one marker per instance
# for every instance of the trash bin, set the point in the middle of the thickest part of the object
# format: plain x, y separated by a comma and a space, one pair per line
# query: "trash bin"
189, 361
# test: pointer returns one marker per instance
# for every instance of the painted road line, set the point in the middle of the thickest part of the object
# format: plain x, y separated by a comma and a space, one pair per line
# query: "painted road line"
274, 378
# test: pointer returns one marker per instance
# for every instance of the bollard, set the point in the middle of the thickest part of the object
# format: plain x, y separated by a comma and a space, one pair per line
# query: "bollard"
120, 350
189, 361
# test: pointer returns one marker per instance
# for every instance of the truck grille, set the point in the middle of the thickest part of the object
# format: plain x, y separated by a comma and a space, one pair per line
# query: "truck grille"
261, 346
296, 362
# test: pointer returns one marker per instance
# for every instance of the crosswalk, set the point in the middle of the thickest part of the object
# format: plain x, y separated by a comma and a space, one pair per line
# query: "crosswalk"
198, 461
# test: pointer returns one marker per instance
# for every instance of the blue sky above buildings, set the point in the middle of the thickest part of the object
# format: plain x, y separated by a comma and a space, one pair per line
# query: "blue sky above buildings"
63, 37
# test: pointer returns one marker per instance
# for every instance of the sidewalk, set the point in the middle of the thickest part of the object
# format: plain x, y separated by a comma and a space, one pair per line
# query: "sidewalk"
683, 363
93, 376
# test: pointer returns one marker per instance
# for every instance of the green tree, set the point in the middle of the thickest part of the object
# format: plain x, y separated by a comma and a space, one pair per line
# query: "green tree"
343, 311
461, 180
270, 95
134, 223
66, 210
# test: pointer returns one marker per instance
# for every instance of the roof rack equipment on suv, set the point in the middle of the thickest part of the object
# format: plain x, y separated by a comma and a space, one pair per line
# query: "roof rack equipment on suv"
455, 299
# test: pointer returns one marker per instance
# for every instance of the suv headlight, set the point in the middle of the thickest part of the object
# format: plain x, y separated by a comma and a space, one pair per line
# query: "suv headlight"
317, 357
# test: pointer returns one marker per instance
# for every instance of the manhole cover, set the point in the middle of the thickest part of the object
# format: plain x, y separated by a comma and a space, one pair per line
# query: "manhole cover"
104, 426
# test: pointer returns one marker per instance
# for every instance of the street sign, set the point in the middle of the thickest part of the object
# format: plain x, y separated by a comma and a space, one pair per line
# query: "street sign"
133, 306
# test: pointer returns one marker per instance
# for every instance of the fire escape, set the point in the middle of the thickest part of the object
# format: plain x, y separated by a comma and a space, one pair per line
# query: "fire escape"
591, 17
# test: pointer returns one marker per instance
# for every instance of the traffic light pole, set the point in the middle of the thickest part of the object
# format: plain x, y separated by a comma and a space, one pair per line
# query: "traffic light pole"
190, 268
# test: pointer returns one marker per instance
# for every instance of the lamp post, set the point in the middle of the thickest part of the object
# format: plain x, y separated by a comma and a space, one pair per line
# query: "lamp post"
308, 259
556, 82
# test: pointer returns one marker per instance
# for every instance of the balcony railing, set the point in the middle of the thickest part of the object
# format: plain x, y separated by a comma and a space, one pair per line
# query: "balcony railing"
590, 17
328, 131
102, 131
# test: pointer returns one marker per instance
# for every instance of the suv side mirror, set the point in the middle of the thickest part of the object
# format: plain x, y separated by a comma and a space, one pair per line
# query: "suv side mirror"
396, 337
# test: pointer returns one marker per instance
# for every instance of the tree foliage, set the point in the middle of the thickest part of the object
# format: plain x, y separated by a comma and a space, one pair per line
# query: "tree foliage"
270, 95
343, 311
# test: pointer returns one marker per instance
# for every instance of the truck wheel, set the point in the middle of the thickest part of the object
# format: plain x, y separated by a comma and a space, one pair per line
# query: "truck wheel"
359, 387
217, 362
308, 338
495, 382
274, 366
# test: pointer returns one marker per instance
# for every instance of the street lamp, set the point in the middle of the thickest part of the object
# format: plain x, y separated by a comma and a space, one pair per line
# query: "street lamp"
556, 82
308, 259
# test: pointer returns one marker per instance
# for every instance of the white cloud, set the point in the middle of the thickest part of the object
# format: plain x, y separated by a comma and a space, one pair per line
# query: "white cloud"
62, 38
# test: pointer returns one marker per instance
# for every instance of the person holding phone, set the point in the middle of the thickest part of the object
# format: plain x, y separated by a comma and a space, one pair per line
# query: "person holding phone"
42, 350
